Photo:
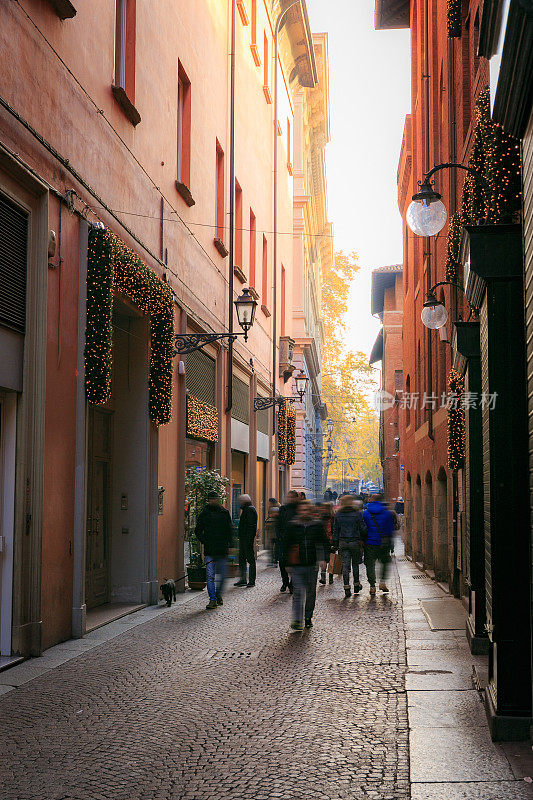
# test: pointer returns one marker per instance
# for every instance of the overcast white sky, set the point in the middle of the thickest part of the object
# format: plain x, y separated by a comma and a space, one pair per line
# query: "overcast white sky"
370, 96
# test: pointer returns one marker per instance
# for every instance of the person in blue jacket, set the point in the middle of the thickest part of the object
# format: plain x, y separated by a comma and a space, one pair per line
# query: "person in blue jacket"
380, 526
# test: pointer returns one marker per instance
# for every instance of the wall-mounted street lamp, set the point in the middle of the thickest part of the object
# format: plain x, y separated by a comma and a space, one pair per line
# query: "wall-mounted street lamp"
427, 215
330, 426
434, 314
245, 306
261, 403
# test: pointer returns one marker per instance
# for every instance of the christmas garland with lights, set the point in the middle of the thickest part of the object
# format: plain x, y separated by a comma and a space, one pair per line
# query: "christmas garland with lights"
282, 432
291, 436
454, 19
113, 268
453, 245
456, 421
202, 420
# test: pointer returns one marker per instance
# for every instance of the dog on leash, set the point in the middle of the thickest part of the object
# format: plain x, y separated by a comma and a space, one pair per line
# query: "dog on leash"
168, 590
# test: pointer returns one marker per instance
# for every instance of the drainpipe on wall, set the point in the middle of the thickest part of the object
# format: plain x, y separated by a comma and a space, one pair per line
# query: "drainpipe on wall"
231, 246
429, 365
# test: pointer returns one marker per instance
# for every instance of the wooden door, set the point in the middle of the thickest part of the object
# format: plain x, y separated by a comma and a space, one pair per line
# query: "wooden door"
98, 528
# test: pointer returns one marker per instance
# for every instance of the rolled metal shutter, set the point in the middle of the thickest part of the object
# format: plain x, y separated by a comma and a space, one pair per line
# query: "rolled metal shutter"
200, 372
13, 265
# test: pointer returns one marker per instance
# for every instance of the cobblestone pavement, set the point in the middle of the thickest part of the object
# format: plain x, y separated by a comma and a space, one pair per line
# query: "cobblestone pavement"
222, 704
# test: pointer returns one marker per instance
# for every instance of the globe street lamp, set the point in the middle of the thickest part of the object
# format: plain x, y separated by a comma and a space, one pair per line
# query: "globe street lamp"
427, 215
434, 314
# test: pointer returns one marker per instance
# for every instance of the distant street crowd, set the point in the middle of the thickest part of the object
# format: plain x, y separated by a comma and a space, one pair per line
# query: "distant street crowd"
306, 541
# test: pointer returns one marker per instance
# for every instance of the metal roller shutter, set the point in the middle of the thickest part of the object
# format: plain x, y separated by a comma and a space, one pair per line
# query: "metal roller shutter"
200, 376
13, 264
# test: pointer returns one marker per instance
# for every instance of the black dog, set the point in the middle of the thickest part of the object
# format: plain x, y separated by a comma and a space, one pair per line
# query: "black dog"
168, 590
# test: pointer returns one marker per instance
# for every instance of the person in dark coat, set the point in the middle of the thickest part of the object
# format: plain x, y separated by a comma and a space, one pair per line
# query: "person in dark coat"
307, 544
380, 530
349, 535
286, 514
215, 531
247, 534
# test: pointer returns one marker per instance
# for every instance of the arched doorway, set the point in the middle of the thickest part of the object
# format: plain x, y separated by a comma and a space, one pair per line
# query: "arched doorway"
408, 516
417, 520
427, 544
441, 526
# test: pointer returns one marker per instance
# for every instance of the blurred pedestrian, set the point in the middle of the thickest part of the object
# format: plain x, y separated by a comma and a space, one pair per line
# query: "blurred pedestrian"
270, 527
380, 526
328, 496
349, 535
247, 534
286, 514
306, 542
327, 515
215, 531
302, 496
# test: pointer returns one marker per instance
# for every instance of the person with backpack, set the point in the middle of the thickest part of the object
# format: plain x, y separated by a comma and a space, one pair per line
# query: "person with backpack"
380, 530
349, 535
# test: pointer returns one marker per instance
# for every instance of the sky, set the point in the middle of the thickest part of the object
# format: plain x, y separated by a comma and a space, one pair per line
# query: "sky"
369, 74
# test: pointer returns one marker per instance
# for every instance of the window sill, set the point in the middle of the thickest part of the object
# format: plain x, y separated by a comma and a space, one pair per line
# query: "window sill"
237, 271
253, 291
279, 130
63, 8
289, 168
242, 12
268, 96
255, 55
220, 246
126, 105
185, 193
265, 311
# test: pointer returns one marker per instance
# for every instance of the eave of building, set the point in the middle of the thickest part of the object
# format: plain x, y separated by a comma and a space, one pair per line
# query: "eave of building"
392, 14
296, 44
382, 278
376, 353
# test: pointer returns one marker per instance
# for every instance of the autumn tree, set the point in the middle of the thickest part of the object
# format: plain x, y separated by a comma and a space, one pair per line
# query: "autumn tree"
347, 382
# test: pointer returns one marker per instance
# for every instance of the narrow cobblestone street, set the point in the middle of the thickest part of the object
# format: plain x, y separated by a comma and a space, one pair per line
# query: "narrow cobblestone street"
224, 704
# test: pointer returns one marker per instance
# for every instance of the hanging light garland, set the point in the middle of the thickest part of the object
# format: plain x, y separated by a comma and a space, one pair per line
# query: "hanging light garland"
453, 245
454, 19
291, 436
282, 432
113, 268
456, 421
202, 420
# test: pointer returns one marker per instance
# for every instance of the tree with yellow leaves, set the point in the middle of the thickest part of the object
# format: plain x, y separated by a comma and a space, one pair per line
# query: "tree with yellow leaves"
347, 382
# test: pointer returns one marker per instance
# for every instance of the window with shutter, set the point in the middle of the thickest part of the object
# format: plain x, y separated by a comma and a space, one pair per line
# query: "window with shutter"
13, 264
200, 376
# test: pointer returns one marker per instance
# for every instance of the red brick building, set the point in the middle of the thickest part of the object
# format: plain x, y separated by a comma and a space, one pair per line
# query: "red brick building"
387, 305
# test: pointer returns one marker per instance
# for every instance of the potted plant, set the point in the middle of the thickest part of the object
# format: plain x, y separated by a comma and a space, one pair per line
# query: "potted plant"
198, 483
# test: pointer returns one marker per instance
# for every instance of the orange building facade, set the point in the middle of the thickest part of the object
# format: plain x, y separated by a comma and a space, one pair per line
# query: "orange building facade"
108, 126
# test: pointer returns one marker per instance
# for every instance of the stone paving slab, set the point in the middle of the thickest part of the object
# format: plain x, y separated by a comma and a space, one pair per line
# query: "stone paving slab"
501, 790
451, 709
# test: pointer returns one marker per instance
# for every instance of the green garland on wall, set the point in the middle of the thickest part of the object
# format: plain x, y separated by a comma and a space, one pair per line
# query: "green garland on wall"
291, 435
282, 432
454, 19
456, 421
113, 268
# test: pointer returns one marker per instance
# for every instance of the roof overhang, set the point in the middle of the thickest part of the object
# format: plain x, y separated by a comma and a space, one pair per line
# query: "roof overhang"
391, 14
382, 279
296, 44
377, 349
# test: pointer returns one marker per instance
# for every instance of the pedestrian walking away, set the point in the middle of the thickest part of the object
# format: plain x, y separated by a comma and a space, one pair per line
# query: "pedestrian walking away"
380, 531
327, 515
286, 514
247, 534
306, 543
270, 529
215, 531
349, 535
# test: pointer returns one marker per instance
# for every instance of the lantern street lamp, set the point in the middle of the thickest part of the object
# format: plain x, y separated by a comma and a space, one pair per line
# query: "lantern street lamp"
245, 306
301, 384
427, 215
